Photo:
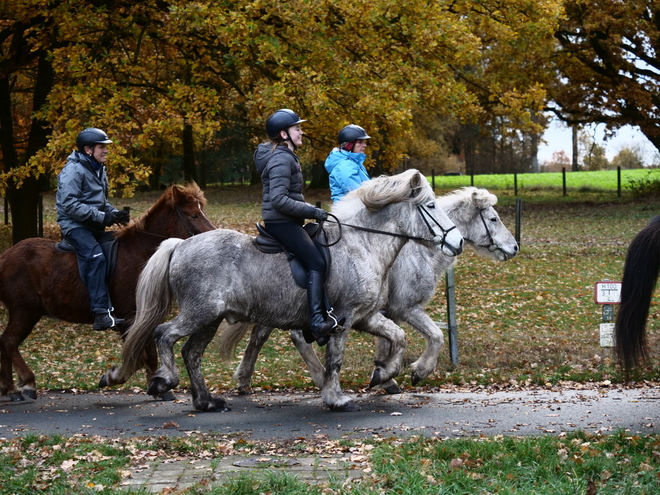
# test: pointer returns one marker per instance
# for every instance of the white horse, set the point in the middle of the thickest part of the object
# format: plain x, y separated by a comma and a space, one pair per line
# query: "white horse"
412, 283
222, 275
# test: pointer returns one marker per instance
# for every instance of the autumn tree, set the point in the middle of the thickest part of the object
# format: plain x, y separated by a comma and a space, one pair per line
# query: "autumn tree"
608, 65
628, 158
175, 76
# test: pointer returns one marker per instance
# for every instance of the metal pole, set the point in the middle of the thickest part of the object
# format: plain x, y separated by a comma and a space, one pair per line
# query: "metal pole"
472, 179
515, 184
518, 219
451, 317
563, 179
618, 181
433, 179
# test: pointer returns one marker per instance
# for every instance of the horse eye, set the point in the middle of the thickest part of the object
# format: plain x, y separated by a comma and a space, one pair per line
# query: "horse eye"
430, 205
193, 216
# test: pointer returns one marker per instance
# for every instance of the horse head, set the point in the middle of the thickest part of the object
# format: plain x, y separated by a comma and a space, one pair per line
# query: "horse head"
417, 219
179, 212
472, 210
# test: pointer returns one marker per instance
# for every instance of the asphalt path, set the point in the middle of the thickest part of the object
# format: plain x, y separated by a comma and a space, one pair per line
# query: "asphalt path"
285, 416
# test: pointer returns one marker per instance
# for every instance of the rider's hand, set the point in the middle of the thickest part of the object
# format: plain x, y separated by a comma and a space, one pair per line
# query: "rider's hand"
320, 214
122, 217
109, 218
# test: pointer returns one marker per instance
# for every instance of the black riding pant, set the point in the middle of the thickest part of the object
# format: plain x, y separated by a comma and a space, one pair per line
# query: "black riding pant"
296, 240
91, 265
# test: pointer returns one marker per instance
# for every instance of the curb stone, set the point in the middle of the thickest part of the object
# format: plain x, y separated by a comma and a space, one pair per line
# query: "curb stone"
181, 475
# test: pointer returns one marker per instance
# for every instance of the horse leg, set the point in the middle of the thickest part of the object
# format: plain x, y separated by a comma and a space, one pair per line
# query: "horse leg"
390, 366
167, 376
314, 365
150, 366
331, 392
18, 329
192, 353
245, 369
383, 348
427, 362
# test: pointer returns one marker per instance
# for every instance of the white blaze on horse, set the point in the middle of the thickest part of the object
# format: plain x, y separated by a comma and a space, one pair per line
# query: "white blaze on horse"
412, 284
223, 275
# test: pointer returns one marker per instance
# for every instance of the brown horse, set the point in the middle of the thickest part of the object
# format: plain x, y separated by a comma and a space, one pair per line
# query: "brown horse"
37, 280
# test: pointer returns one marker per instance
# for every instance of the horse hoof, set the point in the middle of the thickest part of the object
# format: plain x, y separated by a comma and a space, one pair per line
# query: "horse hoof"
393, 389
103, 382
213, 405
16, 397
349, 406
166, 397
415, 378
376, 378
245, 390
30, 394
158, 386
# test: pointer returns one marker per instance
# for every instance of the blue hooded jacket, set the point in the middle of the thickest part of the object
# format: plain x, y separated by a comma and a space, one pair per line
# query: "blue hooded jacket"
346, 171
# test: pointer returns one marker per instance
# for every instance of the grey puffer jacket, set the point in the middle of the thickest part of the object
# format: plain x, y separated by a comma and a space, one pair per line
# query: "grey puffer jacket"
81, 195
282, 181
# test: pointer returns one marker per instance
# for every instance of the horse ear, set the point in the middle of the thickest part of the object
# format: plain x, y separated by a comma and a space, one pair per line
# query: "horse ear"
415, 184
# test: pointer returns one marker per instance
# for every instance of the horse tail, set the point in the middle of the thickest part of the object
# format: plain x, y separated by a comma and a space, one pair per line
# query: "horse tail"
153, 303
229, 338
640, 276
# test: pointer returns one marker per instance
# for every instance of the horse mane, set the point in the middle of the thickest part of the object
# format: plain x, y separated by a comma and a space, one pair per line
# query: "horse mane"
374, 194
174, 195
454, 200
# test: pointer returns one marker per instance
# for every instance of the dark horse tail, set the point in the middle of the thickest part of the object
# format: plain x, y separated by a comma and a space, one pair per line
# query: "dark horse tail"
640, 276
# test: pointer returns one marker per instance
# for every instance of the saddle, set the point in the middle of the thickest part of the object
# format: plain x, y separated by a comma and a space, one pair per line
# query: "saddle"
269, 245
108, 246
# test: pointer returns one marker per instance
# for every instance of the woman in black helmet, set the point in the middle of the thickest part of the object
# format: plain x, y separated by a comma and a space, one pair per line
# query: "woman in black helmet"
284, 211
84, 212
345, 163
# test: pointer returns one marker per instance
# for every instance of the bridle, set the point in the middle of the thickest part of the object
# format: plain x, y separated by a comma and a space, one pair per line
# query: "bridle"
491, 246
189, 226
424, 213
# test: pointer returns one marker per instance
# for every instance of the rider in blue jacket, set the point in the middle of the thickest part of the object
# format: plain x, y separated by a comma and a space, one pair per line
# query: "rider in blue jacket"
345, 163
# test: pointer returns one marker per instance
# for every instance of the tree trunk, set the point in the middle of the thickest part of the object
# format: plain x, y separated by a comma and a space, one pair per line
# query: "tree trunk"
574, 165
189, 171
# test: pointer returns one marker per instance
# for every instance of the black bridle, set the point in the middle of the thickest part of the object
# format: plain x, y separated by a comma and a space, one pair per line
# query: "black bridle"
491, 246
189, 226
426, 216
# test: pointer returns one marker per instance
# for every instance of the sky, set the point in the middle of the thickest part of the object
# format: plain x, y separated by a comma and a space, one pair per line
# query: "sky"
558, 137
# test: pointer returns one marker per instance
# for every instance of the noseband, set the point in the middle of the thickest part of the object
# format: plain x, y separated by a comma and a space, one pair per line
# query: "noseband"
423, 213
190, 228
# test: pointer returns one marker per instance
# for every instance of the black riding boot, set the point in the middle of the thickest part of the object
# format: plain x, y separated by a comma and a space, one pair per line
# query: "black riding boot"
320, 327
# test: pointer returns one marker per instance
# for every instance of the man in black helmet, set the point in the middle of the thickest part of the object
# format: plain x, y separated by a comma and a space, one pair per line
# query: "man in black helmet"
284, 211
345, 164
84, 212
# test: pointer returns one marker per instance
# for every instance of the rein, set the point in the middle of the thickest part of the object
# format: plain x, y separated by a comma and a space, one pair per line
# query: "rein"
423, 212
191, 229
491, 246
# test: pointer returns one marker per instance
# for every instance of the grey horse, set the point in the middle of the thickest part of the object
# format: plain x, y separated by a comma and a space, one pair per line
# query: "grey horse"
412, 284
222, 275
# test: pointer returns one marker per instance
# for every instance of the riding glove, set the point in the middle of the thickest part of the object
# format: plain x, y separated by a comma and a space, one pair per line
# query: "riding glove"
122, 217
320, 214
109, 218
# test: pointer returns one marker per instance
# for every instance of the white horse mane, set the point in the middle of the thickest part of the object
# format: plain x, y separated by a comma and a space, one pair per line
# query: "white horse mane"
453, 200
376, 193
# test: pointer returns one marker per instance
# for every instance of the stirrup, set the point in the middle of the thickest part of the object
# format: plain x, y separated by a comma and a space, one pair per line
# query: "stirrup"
338, 322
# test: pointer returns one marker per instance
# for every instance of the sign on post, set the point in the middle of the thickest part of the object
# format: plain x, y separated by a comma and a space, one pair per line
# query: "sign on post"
607, 293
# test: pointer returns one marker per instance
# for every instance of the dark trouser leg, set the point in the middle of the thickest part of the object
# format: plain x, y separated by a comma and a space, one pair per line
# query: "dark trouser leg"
295, 239
92, 268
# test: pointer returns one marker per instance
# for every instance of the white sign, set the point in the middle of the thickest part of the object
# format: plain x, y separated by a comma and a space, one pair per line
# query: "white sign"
608, 292
607, 334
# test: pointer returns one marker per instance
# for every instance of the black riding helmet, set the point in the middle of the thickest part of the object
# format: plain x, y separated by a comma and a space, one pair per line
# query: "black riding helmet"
352, 133
90, 137
280, 120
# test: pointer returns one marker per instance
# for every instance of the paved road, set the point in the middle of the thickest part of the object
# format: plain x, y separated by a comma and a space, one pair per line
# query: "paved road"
266, 415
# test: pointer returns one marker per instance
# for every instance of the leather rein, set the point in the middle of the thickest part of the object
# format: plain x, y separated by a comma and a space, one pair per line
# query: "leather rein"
424, 214
491, 246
